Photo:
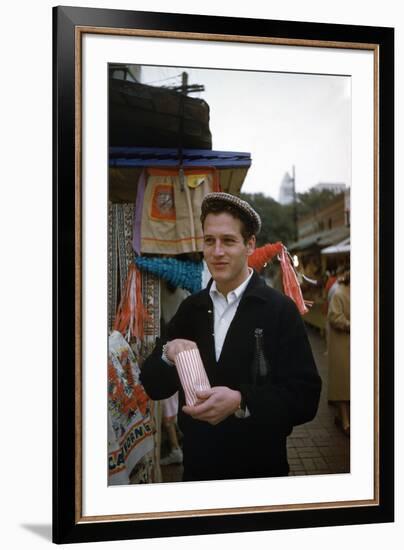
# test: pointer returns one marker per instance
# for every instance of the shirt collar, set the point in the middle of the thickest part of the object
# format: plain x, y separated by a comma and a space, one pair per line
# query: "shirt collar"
236, 293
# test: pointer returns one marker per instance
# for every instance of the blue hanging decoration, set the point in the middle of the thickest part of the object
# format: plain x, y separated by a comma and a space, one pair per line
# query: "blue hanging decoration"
183, 274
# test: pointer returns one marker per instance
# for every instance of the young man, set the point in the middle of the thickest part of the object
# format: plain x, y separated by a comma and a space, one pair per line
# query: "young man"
238, 429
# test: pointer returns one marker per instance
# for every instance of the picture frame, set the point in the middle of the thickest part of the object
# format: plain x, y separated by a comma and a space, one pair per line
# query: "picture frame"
71, 26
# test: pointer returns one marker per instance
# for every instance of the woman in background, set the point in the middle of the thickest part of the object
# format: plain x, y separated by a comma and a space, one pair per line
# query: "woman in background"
339, 351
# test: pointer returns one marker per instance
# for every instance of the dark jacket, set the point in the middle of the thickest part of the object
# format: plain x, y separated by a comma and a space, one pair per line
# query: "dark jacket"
253, 446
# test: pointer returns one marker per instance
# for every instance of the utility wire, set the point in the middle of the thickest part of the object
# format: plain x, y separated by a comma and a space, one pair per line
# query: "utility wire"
163, 79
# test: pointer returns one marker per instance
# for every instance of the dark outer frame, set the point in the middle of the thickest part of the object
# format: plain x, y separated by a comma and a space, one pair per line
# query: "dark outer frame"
68, 526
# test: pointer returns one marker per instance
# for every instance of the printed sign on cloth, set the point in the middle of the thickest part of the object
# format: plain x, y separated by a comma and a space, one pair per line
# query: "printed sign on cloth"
171, 210
162, 202
130, 428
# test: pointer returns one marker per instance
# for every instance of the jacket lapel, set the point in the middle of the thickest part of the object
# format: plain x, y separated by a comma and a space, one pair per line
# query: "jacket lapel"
205, 328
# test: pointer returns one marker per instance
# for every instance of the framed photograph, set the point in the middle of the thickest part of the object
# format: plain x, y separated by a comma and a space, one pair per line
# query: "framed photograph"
261, 109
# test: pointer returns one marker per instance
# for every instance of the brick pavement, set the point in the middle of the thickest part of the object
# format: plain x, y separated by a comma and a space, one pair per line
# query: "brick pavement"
317, 447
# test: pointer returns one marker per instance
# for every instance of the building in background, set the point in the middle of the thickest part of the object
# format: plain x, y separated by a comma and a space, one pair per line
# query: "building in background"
325, 224
323, 244
286, 191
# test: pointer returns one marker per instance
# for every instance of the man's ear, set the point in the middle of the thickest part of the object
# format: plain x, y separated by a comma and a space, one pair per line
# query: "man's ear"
251, 245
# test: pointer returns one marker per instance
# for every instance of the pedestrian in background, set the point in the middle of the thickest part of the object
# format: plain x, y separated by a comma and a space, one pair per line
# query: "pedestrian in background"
331, 279
339, 351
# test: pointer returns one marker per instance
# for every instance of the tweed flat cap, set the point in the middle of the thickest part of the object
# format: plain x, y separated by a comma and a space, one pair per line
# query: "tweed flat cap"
227, 199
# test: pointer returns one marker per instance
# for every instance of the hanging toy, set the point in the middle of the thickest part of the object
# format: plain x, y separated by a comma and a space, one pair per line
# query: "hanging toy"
184, 274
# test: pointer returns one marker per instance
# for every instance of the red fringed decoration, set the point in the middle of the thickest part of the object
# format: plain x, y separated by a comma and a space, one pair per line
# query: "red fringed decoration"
131, 313
291, 285
263, 255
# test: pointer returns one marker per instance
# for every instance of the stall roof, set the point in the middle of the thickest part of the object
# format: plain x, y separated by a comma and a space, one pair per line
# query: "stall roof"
127, 163
152, 156
343, 247
321, 239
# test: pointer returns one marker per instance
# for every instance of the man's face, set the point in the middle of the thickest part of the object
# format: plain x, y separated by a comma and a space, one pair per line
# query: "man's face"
225, 251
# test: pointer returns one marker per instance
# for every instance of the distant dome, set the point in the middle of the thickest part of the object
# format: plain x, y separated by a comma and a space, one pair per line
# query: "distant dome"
286, 189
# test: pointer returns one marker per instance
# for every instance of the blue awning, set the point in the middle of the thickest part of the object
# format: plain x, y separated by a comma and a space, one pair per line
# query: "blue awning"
150, 156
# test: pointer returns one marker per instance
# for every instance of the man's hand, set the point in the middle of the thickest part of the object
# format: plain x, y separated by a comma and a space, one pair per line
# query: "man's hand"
215, 404
174, 347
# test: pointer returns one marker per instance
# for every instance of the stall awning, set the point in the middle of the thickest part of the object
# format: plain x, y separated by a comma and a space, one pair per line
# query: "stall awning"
321, 240
343, 247
150, 156
127, 163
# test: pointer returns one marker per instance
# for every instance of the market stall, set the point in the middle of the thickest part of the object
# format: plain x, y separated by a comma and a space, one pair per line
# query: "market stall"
155, 240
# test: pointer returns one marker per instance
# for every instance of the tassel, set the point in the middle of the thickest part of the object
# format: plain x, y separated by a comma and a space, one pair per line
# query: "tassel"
290, 282
261, 256
185, 274
130, 315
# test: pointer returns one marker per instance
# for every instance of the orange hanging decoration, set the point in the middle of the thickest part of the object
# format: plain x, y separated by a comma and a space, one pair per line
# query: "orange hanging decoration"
131, 314
291, 285
262, 255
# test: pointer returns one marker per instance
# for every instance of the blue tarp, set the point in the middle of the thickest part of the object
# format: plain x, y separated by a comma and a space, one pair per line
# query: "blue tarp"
151, 156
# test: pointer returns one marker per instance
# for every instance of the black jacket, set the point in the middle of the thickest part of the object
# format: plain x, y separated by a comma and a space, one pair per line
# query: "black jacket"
253, 446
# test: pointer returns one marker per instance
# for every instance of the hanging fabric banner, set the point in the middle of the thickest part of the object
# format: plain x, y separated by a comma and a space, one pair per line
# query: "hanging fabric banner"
171, 210
112, 267
152, 305
130, 428
120, 252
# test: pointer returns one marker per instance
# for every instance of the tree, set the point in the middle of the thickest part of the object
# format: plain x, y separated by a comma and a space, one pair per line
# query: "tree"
277, 219
313, 200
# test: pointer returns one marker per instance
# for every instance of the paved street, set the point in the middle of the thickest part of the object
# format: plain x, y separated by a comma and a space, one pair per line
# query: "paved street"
318, 447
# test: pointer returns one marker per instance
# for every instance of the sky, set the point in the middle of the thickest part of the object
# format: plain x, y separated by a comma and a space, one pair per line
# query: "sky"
281, 119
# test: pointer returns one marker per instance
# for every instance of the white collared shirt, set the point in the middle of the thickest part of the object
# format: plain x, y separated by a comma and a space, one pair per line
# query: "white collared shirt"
224, 309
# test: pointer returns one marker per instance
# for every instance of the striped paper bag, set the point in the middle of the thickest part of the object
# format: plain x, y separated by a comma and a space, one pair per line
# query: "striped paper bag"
192, 374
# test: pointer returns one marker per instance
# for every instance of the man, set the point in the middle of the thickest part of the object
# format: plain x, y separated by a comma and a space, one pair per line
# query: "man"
238, 429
